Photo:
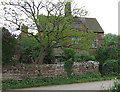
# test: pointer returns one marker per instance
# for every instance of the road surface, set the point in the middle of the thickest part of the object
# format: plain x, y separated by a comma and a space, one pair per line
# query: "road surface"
101, 85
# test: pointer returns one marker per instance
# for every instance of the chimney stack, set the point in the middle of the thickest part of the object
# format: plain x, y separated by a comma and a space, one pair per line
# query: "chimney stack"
68, 9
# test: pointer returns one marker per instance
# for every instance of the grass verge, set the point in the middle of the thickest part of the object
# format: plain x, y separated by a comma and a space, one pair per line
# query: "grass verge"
29, 82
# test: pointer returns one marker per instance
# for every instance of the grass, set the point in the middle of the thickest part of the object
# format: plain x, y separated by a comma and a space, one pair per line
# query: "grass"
116, 87
29, 82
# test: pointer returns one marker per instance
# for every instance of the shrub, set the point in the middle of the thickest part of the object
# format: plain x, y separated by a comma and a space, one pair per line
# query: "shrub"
49, 57
77, 59
84, 57
8, 46
68, 67
90, 58
93, 75
30, 50
116, 87
105, 52
68, 56
110, 67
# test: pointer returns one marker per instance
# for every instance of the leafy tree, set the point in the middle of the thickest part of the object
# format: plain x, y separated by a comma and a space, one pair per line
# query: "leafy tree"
53, 29
108, 38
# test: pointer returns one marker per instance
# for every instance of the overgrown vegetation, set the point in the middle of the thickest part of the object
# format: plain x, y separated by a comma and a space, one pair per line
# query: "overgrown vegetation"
29, 50
68, 56
28, 82
8, 46
116, 87
107, 55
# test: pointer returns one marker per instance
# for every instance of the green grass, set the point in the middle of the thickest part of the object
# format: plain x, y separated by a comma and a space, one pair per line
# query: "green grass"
29, 82
116, 87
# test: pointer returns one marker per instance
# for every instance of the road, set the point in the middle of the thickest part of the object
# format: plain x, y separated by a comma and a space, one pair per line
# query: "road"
101, 85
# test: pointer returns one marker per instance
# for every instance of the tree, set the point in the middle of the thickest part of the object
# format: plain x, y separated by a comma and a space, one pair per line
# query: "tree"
108, 38
53, 28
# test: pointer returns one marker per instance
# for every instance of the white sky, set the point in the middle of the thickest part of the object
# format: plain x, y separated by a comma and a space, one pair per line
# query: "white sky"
105, 11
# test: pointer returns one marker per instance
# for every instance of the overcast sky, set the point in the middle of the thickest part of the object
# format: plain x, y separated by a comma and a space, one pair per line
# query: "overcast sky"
105, 11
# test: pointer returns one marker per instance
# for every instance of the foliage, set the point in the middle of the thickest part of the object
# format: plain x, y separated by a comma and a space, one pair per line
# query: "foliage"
68, 53
49, 57
116, 87
51, 28
92, 75
107, 51
91, 58
30, 48
110, 67
8, 46
84, 57
68, 56
110, 38
68, 67
29, 82
77, 59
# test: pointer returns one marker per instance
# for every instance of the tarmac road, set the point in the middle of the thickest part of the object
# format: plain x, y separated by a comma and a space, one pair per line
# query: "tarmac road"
100, 85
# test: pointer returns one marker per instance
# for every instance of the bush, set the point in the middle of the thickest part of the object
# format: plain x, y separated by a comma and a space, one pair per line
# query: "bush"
84, 57
77, 59
68, 67
116, 87
49, 57
105, 52
8, 46
68, 56
110, 67
30, 50
90, 58
93, 75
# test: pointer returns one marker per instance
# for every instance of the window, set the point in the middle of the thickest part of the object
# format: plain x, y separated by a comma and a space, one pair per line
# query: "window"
75, 24
76, 40
94, 45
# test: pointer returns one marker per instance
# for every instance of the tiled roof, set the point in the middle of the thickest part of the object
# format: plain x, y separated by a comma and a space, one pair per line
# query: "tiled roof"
92, 24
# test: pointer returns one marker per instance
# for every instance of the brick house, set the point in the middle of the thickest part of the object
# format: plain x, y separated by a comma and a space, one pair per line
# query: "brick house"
87, 24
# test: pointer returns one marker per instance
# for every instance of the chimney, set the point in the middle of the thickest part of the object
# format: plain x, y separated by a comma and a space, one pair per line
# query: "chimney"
68, 9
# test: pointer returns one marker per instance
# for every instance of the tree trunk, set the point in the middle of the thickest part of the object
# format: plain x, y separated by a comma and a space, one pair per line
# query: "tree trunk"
40, 58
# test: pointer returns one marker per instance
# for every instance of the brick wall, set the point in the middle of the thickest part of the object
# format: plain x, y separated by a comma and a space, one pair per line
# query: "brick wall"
21, 71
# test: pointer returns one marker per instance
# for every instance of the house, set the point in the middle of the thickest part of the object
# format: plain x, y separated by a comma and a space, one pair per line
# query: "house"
87, 24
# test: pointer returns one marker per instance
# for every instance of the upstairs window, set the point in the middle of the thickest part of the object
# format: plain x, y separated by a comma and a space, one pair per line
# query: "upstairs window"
76, 40
76, 24
95, 44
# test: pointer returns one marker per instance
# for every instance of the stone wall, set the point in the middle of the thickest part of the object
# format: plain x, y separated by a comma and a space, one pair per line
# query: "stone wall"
21, 71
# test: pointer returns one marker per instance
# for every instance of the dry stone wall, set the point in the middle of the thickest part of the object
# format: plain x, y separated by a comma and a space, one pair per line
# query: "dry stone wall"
22, 71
